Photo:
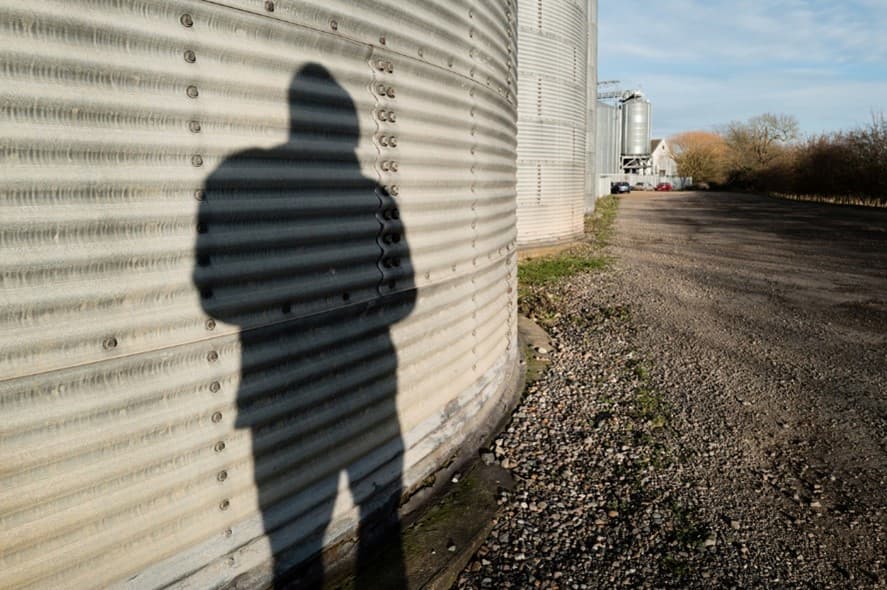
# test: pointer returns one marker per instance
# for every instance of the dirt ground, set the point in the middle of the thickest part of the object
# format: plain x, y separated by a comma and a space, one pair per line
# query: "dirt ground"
716, 411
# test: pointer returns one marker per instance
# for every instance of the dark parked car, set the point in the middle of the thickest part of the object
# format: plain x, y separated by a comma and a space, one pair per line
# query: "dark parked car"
663, 186
620, 187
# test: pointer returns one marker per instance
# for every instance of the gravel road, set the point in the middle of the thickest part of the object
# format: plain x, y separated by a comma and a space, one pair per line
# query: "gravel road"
715, 413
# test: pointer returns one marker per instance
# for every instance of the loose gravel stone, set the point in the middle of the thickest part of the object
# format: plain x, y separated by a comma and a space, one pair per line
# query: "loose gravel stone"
713, 414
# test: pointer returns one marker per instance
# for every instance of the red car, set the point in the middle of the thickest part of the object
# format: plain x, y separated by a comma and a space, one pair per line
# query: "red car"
664, 186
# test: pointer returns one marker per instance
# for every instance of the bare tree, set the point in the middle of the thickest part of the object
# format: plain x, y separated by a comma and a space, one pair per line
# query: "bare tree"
701, 155
757, 142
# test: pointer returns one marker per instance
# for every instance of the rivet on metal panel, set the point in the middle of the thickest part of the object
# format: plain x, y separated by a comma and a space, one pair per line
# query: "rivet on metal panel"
192, 91
383, 40
472, 111
109, 343
382, 115
381, 89
383, 140
392, 117
470, 14
232, 562
380, 65
389, 67
228, 532
427, 276
217, 417
187, 20
219, 446
471, 32
224, 505
210, 324
194, 126
392, 284
200, 195
394, 166
387, 262
385, 165
396, 261
334, 24
346, 296
390, 92
215, 387
190, 56
421, 52
212, 356
471, 72
197, 160
454, 268
269, 5
450, 61
222, 475
392, 142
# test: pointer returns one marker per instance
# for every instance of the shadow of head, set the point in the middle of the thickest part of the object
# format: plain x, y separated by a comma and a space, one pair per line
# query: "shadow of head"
296, 229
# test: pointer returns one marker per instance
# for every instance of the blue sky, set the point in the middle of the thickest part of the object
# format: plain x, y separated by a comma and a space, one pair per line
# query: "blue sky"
704, 63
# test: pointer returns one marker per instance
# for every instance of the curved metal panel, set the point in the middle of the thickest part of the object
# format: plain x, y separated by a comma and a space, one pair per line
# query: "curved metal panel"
553, 52
591, 171
244, 252
636, 127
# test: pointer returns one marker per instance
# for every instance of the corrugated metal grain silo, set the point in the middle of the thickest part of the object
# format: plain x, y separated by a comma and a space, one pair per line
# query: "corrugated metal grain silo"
258, 276
637, 125
591, 172
552, 112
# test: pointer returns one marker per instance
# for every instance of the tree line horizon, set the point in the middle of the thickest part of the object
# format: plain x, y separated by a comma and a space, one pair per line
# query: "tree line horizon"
767, 153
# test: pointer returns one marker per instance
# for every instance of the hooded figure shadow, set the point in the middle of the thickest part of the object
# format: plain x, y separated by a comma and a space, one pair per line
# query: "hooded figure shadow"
307, 256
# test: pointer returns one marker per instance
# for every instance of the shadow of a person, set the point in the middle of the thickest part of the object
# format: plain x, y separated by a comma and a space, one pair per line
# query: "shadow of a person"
307, 257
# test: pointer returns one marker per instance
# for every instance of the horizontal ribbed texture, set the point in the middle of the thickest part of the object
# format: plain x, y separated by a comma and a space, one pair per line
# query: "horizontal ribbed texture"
553, 50
243, 252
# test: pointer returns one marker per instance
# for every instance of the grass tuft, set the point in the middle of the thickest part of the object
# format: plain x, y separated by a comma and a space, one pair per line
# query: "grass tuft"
535, 273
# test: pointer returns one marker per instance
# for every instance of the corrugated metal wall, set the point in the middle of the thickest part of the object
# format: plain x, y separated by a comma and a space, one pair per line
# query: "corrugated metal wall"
608, 139
552, 111
591, 172
247, 247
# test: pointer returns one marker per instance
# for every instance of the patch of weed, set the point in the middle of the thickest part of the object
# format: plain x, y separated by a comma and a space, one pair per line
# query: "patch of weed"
535, 274
686, 529
541, 271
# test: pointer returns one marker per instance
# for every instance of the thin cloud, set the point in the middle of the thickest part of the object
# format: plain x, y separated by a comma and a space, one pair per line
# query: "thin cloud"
711, 62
